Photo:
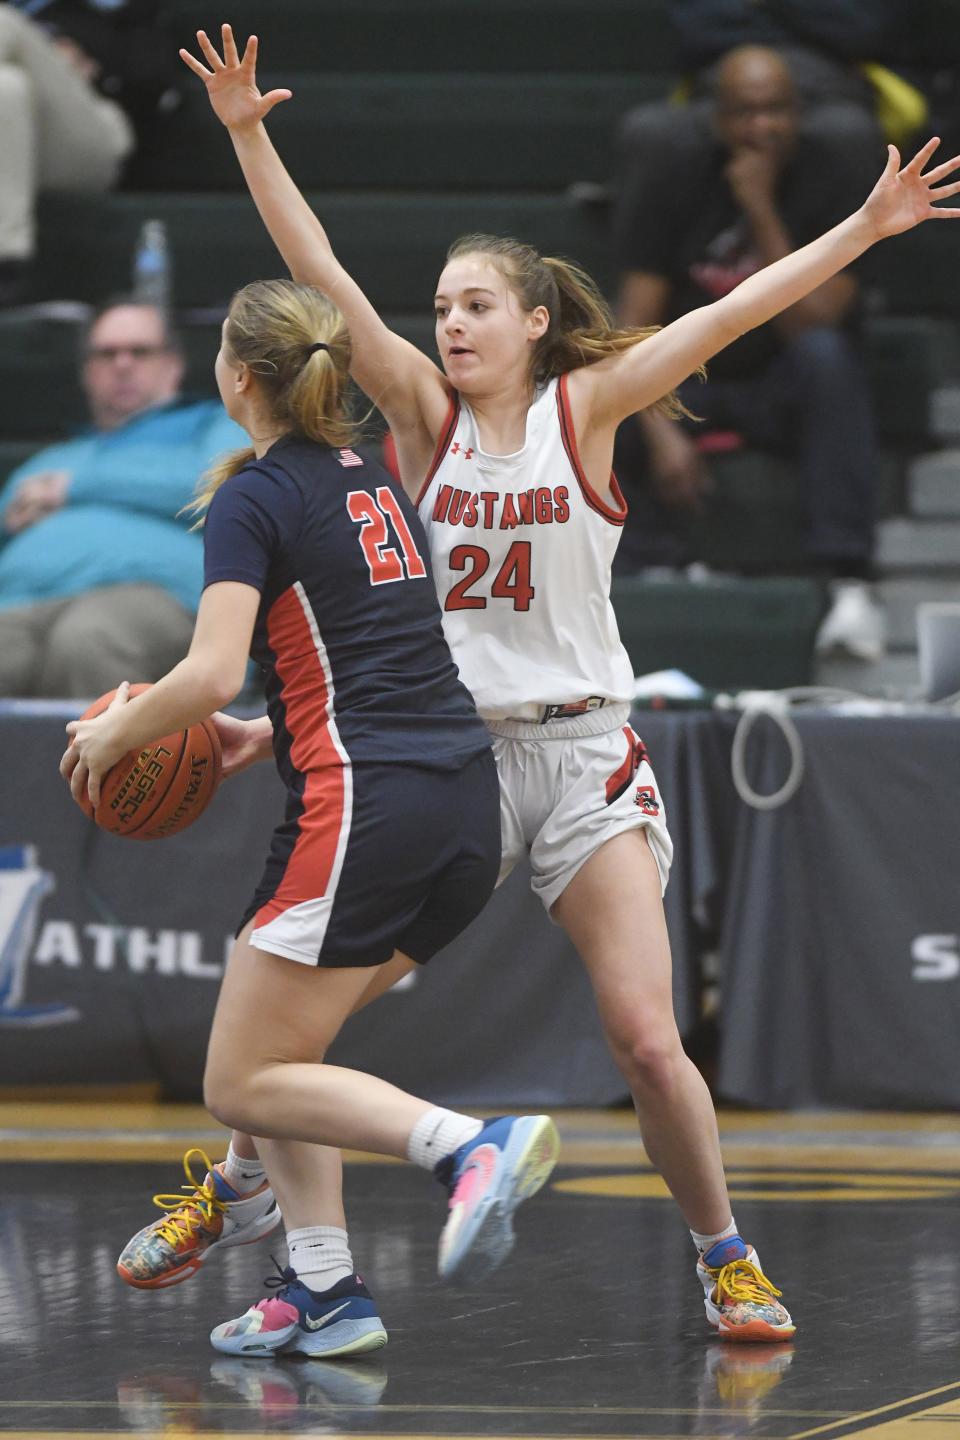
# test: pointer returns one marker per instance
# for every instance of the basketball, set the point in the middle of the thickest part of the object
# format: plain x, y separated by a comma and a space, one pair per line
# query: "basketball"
163, 787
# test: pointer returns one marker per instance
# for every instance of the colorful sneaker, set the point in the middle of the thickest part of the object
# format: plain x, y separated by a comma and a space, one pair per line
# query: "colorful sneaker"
340, 1321
744, 1375
276, 1390
508, 1161
739, 1299
173, 1248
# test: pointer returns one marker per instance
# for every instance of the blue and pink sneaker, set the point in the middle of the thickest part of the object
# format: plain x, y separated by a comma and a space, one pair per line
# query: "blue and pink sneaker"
510, 1160
296, 1321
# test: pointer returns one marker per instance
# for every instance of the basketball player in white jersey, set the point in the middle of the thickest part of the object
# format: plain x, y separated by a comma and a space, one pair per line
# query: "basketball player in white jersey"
508, 452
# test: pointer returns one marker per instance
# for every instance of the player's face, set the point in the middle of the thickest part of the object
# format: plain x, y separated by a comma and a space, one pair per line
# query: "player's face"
129, 365
484, 336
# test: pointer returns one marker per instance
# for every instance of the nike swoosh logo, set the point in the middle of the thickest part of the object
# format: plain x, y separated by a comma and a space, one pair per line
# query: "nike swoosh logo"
324, 1319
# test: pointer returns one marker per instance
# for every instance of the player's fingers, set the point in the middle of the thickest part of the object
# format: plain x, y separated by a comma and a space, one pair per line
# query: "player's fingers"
250, 51
922, 156
78, 780
194, 65
942, 171
93, 789
942, 192
68, 761
275, 97
209, 50
938, 214
122, 695
230, 56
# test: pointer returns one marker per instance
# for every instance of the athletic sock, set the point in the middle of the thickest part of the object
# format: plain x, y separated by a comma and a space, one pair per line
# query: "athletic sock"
241, 1174
439, 1133
707, 1242
320, 1254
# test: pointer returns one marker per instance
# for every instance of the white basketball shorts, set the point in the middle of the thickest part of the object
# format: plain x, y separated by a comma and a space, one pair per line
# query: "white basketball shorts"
568, 786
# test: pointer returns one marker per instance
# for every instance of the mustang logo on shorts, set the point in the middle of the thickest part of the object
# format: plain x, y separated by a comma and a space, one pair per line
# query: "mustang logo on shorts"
646, 798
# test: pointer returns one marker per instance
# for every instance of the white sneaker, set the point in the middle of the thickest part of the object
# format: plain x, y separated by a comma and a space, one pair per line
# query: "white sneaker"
854, 623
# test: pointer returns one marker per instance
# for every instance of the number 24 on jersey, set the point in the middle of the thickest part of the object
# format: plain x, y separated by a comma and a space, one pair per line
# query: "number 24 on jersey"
387, 563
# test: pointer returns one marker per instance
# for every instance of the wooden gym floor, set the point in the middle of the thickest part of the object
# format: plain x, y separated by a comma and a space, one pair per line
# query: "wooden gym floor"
595, 1329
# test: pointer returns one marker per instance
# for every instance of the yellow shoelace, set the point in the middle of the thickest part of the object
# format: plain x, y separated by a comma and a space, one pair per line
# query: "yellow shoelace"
199, 1209
742, 1281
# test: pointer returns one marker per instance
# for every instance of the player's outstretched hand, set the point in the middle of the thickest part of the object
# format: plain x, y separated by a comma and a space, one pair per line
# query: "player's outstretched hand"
231, 82
904, 198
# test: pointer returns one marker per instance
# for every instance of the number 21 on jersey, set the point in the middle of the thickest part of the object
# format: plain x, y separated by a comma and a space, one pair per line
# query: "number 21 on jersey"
383, 559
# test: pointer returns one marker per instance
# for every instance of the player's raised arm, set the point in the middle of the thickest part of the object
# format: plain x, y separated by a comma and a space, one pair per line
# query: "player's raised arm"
406, 386
901, 199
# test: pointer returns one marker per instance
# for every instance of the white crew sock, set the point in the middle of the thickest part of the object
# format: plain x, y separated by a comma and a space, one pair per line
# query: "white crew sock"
320, 1254
241, 1174
439, 1133
706, 1242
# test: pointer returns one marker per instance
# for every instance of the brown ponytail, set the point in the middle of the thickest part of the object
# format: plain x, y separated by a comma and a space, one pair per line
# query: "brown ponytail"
581, 329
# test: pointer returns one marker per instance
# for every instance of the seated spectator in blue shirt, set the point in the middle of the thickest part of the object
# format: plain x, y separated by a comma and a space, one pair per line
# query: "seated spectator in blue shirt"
100, 578
796, 385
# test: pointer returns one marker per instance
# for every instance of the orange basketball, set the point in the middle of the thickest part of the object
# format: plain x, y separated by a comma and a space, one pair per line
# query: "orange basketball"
160, 789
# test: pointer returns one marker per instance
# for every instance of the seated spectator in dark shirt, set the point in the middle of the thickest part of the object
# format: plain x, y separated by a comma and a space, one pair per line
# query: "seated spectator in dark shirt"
796, 385
838, 53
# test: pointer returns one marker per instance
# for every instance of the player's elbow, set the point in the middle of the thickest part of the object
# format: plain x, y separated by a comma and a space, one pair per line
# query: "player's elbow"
217, 681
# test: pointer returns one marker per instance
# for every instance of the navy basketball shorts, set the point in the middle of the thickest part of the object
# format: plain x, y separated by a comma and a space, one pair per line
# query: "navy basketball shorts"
375, 858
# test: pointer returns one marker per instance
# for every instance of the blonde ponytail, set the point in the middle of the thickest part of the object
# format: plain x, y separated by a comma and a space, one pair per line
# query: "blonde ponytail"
296, 343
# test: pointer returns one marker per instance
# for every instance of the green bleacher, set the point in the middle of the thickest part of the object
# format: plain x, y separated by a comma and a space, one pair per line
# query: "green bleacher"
728, 633
468, 37
411, 124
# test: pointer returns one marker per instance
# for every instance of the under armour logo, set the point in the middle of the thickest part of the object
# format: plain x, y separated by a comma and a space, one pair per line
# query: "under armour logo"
455, 450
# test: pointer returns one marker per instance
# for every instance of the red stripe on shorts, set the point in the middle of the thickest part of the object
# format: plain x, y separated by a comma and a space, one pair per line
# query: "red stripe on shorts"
315, 751
621, 777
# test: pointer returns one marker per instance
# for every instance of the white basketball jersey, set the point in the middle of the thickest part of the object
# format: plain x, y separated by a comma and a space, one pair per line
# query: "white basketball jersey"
522, 548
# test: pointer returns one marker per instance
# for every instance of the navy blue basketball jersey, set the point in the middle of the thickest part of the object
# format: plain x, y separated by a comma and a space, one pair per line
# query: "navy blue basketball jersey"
348, 634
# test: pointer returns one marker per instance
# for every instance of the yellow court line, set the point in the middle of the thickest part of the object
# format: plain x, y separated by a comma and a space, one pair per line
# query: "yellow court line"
881, 1410
38, 1147
223, 1434
940, 1423
840, 1417
90, 1107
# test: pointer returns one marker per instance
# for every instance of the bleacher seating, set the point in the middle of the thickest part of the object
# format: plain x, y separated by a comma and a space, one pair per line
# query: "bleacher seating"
393, 242
411, 124
728, 633
415, 131
470, 37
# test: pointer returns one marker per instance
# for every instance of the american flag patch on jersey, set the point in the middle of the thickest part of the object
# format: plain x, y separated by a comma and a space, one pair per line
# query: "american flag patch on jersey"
348, 458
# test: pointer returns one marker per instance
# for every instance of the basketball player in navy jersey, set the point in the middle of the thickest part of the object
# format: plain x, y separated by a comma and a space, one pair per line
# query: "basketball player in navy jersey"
508, 452
317, 566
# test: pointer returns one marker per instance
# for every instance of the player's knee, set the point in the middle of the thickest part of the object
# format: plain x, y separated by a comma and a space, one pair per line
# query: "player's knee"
227, 1096
651, 1061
